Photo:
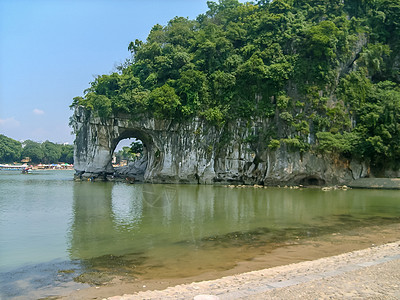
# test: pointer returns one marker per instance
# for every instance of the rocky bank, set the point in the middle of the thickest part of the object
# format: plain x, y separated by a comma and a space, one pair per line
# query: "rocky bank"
196, 151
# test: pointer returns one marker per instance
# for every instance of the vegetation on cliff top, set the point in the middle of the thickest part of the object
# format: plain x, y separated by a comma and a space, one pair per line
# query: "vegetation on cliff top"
326, 72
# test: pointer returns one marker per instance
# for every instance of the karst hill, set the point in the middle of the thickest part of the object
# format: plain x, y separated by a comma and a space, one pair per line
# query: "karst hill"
270, 92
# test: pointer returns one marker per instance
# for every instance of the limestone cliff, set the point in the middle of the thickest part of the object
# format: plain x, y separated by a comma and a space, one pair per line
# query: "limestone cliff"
197, 152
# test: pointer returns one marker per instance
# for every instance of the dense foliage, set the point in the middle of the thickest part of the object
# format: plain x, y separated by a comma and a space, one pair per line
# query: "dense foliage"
326, 72
10, 150
129, 154
47, 152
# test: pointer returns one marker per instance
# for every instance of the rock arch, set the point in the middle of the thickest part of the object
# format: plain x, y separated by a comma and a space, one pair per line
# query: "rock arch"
96, 140
176, 153
196, 151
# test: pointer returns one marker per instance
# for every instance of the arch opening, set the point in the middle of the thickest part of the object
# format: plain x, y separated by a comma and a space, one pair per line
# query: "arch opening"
130, 155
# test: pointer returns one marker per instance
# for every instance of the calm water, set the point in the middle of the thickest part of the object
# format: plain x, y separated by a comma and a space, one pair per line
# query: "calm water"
57, 233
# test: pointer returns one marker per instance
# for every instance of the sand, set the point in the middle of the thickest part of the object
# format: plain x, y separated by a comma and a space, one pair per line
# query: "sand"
370, 273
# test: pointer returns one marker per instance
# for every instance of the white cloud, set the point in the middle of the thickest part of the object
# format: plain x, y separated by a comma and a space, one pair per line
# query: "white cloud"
38, 112
9, 122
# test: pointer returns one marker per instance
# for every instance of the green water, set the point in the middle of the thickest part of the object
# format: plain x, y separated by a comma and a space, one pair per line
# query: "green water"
58, 232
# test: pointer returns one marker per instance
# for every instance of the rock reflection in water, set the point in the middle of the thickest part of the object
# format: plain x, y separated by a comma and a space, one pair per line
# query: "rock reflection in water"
131, 229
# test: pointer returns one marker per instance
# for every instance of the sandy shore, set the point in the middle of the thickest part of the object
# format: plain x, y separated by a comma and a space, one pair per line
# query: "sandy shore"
372, 273
315, 268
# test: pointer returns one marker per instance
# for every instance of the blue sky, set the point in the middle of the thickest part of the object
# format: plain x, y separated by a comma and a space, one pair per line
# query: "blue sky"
51, 49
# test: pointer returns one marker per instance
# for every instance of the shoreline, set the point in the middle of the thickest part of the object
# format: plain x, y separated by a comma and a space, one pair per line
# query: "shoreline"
342, 276
334, 251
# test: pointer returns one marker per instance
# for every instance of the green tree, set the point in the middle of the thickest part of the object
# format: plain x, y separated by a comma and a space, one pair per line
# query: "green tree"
164, 101
191, 88
136, 147
345, 144
125, 154
10, 150
33, 150
51, 152
67, 154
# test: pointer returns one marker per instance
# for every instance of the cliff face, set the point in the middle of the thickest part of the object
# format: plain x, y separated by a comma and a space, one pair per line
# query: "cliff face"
197, 152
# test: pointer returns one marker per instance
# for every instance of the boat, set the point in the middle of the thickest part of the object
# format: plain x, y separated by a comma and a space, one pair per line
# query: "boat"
27, 171
23, 168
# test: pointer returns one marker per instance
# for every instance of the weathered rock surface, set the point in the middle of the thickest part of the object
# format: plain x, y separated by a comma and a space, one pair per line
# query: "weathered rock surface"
134, 170
197, 152
376, 183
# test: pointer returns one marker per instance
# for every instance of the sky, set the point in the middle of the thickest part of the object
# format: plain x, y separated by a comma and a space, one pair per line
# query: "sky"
50, 51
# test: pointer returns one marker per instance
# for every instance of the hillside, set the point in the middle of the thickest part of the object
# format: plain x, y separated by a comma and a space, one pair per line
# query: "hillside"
324, 74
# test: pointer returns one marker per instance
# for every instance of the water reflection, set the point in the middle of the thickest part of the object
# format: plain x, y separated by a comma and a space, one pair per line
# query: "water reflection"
127, 206
90, 232
120, 219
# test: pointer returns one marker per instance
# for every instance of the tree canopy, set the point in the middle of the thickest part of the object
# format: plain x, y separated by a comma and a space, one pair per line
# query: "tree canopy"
130, 153
10, 150
46, 152
326, 72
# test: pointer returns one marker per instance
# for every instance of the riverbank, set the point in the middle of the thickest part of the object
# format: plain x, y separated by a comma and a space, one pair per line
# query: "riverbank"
370, 273
376, 183
313, 269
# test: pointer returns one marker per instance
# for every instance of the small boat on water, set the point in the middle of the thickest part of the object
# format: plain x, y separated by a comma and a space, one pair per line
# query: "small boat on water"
25, 169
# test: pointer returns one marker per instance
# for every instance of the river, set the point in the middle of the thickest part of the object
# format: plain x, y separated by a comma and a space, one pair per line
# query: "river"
57, 235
